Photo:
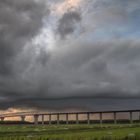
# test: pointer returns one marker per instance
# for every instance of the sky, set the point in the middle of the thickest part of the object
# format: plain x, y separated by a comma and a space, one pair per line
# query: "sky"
65, 55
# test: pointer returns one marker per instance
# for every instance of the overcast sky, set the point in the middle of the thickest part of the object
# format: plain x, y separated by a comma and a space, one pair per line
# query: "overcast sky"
70, 54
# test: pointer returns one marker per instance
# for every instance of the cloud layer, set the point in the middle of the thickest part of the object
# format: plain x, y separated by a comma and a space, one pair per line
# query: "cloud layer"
50, 54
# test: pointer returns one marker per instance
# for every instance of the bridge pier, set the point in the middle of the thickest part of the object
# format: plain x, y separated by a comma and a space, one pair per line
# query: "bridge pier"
42, 119
115, 118
57, 119
77, 118
22, 118
67, 118
88, 118
131, 117
101, 118
2, 118
36, 119
50, 122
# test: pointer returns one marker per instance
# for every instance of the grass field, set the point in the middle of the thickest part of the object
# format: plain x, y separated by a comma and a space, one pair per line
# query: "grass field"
70, 132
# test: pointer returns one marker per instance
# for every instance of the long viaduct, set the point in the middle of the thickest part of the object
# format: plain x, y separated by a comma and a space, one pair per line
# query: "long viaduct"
36, 116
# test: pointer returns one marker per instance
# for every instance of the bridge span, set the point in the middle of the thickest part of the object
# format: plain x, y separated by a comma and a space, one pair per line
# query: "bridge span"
36, 115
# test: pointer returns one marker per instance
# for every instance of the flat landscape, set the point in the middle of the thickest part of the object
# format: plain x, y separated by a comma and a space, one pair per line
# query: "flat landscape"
70, 132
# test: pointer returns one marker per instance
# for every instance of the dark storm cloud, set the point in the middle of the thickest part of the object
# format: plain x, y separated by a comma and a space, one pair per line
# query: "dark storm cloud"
65, 105
99, 58
102, 71
19, 22
68, 22
99, 70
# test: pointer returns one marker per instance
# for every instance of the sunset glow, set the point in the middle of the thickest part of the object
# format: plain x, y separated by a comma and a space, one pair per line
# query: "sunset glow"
66, 5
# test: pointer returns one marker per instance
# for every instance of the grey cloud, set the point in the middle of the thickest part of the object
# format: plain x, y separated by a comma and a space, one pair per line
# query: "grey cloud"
82, 68
43, 57
106, 74
67, 23
19, 22
113, 16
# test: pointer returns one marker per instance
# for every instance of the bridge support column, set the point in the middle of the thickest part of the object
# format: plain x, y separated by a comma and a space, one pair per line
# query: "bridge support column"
36, 119
2, 119
23, 118
115, 118
50, 120
67, 118
131, 117
42, 119
57, 119
101, 117
77, 118
88, 118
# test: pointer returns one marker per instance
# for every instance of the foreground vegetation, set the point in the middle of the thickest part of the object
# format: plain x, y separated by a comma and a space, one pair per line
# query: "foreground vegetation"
70, 132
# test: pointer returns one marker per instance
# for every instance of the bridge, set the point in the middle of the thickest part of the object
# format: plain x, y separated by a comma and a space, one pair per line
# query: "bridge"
36, 115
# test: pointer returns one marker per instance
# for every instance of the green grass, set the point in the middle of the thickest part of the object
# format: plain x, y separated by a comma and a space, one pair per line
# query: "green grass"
70, 132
